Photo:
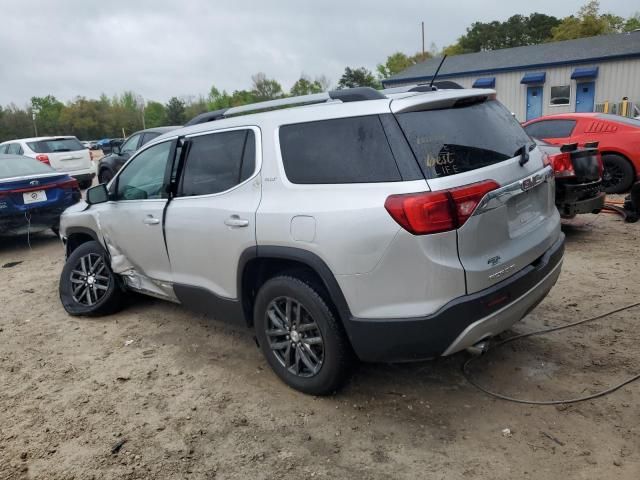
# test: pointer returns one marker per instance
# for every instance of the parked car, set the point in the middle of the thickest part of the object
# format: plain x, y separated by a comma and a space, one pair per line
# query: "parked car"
64, 153
618, 139
578, 174
110, 164
398, 226
33, 195
107, 144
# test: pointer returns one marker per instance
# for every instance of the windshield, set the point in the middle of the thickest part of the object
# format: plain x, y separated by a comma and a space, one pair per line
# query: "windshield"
54, 145
21, 166
455, 140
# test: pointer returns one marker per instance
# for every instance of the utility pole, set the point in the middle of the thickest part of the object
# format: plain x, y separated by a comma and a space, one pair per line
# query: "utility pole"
35, 126
422, 39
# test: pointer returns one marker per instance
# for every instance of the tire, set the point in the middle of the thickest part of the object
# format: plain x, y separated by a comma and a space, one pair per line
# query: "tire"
326, 348
105, 176
100, 301
618, 173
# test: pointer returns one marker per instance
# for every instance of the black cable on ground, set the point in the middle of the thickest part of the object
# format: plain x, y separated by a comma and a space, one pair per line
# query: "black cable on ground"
542, 332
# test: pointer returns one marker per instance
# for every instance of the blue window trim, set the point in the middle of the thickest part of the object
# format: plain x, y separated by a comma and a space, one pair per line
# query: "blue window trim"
486, 82
584, 72
534, 78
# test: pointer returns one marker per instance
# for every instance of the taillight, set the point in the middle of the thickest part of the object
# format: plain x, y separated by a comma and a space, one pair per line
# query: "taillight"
433, 212
43, 159
562, 165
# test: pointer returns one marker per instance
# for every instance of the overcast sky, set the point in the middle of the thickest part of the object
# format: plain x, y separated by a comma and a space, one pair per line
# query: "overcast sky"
162, 48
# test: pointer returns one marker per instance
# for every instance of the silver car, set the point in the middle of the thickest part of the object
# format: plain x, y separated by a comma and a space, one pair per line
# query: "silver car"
386, 226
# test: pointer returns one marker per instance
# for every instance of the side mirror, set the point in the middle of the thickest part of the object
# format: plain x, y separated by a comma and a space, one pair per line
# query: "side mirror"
97, 194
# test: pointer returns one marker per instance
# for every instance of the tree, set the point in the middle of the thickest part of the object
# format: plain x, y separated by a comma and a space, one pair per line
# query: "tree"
305, 86
155, 114
196, 107
265, 88
357, 77
47, 111
175, 109
632, 23
587, 23
516, 31
398, 62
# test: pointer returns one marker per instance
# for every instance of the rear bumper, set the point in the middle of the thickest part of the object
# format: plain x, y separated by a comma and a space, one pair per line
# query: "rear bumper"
460, 323
581, 198
590, 205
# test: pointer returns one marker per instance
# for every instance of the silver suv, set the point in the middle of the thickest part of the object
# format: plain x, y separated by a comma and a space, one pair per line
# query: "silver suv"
390, 226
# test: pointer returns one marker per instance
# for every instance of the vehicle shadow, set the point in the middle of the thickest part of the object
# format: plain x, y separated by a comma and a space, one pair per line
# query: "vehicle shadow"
20, 244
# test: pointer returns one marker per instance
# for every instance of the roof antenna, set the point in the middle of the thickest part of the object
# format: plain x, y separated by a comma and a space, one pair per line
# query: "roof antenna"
437, 71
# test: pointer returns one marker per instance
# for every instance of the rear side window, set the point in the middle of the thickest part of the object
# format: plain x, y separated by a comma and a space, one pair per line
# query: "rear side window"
15, 149
54, 145
455, 140
218, 162
551, 128
343, 150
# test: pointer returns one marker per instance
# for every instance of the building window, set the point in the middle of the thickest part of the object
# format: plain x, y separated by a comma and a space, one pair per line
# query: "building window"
561, 95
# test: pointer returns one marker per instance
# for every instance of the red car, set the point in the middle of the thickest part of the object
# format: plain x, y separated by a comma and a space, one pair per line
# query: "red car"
618, 138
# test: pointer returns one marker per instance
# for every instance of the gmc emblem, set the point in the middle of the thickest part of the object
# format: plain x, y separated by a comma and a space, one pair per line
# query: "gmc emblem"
532, 181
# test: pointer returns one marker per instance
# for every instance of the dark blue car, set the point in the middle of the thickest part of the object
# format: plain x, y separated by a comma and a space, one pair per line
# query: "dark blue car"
33, 195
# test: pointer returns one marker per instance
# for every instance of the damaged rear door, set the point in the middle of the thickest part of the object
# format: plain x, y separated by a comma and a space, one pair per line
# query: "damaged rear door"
132, 221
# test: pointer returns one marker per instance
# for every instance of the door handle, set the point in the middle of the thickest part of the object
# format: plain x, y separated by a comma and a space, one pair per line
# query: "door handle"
151, 220
236, 221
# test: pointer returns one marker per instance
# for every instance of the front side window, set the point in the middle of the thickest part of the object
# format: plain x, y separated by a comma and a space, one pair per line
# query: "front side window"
217, 162
144, 177
551, 128
131, 145
561, 95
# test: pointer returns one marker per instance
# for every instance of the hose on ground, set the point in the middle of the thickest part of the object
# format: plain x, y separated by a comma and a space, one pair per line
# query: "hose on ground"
467, 376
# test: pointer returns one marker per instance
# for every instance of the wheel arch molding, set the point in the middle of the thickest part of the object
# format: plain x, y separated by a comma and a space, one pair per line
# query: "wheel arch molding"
259, 263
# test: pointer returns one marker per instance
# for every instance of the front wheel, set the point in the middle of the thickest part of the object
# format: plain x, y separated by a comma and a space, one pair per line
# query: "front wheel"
87, 284
105, 176
300, 337
618, 174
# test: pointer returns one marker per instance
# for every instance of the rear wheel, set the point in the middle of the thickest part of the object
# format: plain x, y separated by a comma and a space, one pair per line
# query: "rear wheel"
87, 284
105, 176
618, 173
300, 337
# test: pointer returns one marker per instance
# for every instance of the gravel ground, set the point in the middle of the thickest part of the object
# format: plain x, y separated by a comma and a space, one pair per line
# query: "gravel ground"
193, 398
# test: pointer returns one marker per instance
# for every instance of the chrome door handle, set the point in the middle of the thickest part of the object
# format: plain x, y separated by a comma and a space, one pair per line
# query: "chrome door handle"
236, 221
150, 220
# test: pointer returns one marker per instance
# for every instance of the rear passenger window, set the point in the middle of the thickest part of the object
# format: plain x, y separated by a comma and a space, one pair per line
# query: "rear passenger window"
551, 128
217, 162
343, 150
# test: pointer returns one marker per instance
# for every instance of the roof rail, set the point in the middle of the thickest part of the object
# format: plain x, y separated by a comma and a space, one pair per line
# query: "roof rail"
207, 117
356, 94
424, 87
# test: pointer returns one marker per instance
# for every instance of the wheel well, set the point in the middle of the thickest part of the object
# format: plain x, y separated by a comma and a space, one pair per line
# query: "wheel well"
75, 240
607, 152
259, 270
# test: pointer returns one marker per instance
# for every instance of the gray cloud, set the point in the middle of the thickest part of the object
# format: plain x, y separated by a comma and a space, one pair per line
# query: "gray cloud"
163, 48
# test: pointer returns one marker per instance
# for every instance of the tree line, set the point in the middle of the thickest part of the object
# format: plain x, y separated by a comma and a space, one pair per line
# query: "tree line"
123, 114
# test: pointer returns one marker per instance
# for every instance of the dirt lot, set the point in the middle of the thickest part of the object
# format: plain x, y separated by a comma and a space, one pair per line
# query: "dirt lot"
194, 398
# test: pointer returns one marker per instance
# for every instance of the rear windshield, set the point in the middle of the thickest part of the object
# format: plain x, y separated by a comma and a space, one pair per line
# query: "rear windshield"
459, 139
21, 166
56, 145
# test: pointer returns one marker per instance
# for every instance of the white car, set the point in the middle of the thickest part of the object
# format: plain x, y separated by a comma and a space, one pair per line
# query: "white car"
64, 153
